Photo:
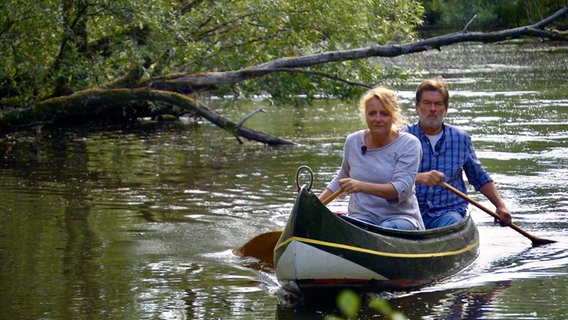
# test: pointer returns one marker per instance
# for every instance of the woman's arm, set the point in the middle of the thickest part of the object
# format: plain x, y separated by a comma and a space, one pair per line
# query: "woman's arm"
325, 194
383, 190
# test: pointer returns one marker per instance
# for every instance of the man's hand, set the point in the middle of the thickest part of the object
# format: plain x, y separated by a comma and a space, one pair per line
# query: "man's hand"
504, 216
430, 178
490, 191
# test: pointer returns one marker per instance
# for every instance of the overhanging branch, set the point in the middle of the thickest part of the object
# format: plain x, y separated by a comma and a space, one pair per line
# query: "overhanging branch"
290, 63
84, 103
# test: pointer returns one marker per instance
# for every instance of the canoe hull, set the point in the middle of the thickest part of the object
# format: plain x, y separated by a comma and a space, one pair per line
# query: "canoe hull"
321, 250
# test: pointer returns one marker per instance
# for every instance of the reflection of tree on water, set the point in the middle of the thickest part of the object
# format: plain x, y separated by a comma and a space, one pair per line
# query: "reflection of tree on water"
472, 303
469, 303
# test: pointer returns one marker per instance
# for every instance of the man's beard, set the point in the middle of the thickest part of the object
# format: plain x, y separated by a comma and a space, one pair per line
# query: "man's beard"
426, 121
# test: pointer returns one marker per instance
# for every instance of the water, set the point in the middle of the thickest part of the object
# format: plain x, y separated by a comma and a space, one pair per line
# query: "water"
139, 222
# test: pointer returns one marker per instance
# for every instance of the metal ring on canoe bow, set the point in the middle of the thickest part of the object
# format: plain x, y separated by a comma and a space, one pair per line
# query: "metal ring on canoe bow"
300, 169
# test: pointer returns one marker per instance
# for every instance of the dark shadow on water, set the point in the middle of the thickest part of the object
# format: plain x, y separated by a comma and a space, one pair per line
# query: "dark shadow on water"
467, 303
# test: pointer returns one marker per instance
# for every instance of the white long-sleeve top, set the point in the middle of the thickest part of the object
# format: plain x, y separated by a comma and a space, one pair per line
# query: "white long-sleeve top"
395, 163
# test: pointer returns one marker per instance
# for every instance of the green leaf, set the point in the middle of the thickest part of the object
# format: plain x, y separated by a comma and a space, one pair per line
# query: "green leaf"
349, 303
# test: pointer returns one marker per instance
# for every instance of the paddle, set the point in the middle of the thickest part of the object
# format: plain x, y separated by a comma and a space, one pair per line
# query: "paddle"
535, 240
262, 246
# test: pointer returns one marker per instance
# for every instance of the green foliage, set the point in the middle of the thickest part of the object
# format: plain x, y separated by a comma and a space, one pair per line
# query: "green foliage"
54, 47
384, 307
350, 305
490, 14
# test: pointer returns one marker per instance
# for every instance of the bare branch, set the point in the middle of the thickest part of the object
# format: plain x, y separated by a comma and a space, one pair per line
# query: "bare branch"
470, 22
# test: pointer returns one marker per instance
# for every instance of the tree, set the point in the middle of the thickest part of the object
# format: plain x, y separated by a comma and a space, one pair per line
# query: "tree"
123, 60
54, 47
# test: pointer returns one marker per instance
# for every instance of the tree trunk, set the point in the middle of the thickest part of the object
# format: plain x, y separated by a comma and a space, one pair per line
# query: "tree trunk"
106, 104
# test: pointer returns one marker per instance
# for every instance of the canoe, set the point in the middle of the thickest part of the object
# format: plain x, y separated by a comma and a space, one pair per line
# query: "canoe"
320, 250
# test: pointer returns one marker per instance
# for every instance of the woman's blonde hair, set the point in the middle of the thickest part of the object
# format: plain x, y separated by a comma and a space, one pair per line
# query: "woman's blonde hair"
388, 99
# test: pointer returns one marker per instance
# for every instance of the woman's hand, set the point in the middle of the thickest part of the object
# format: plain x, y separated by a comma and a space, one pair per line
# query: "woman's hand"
383, 190
350, 186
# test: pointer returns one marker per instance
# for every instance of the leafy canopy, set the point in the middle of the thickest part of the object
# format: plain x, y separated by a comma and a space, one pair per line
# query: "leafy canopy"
55, 47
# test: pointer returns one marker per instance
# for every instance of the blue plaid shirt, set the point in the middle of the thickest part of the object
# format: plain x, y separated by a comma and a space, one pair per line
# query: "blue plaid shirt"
452, 155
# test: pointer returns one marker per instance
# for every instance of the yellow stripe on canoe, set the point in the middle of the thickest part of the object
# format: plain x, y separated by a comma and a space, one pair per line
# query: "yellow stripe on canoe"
379, 253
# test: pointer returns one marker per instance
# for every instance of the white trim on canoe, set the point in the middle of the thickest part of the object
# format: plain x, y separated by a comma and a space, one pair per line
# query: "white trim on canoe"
300, 261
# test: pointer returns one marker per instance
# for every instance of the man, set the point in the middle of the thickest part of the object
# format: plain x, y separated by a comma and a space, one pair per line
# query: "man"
447, 152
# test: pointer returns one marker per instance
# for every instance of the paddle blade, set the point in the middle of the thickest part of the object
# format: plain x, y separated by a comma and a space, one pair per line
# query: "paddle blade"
260, 247
536, 241
539, 242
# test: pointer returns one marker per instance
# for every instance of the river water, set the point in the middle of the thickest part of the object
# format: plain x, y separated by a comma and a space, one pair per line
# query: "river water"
140, 222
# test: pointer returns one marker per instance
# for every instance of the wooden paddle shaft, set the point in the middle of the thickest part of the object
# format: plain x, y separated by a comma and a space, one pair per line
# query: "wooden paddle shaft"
470, 200
534, 239
332, 196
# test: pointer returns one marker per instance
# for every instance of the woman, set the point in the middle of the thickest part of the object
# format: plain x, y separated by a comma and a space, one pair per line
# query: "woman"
379, 166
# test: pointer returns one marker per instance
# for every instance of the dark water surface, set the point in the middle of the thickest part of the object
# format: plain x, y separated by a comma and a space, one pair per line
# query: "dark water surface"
139, 223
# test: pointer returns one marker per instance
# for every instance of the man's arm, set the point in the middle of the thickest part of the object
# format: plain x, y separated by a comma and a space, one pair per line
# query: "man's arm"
490, 191
433, 178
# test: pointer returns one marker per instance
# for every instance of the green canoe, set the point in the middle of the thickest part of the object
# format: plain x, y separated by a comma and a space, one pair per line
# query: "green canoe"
319, 250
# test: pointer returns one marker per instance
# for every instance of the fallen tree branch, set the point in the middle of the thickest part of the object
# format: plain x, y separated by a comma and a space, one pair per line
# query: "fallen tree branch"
170, 89
281, 65
93, 102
